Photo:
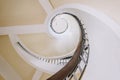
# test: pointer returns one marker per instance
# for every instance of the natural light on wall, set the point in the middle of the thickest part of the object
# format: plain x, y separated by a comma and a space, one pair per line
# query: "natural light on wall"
37, 34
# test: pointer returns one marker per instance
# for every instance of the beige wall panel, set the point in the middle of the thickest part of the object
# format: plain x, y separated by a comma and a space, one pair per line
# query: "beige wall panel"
57, 3
109, 7
45, 76
1, 78
21, 12
9, 54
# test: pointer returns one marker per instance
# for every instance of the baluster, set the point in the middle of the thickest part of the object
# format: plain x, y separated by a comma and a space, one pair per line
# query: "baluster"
55, 61
69, 77
58, 62
85, 56
83, 59
74, 76
82, 64
80, 68
48, 60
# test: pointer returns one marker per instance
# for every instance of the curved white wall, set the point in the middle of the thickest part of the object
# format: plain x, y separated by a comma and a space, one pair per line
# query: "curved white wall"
109, 7
104, 45
104, 51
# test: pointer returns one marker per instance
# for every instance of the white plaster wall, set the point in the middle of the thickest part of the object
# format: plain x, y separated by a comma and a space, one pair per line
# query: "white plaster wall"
109, 7
104, 61
104, 52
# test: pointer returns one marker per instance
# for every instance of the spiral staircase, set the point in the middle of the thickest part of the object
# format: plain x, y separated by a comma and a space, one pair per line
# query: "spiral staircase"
67, 28
72, 63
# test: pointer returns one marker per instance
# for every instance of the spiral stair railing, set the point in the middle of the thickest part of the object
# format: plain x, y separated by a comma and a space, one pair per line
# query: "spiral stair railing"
71, 64
56, 60
78, 61
65, 66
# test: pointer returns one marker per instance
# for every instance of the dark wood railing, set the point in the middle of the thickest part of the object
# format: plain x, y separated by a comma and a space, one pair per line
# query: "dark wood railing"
72, 65
69, 68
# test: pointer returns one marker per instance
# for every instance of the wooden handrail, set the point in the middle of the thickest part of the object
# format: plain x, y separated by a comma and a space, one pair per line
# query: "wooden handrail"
69, 68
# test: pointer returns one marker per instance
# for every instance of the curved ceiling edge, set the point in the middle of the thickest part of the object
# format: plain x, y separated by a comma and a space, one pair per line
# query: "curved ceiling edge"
98, 14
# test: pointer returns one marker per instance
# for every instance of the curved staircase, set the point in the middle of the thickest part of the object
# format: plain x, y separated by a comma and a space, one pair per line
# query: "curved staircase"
68, 27
72, 62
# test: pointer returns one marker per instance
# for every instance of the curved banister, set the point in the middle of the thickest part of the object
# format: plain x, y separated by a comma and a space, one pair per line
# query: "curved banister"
72, 65
61, 61
69, 68
68, 64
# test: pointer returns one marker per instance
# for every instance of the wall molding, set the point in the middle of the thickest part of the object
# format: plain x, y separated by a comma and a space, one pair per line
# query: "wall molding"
23, 29
7, 71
